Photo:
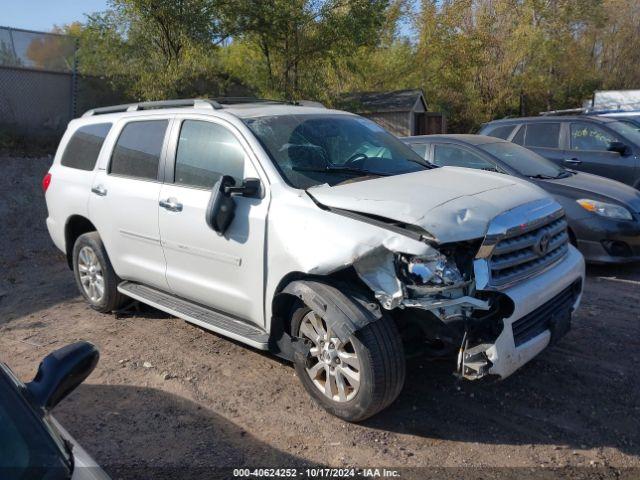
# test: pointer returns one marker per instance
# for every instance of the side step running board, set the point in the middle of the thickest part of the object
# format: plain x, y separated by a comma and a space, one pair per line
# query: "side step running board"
192, 312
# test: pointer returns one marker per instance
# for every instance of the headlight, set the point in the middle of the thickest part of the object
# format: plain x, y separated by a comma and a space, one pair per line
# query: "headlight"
434, 270
603, 209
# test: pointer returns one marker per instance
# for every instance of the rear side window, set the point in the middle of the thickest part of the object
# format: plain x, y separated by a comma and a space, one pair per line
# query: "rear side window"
137, 151
445, 155
206, 151
421, 148
84, 146
498, 131
544, 135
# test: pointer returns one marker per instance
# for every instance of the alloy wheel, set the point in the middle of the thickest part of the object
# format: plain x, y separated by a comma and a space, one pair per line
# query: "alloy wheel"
334, 366
91, 276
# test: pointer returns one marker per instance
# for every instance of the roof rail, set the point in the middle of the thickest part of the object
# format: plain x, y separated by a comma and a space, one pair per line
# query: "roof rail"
132, 107
310, 103
610, 108
568, 111
240, 100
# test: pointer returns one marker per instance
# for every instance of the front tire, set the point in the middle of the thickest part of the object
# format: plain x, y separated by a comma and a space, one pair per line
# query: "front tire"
94, 274
352, 380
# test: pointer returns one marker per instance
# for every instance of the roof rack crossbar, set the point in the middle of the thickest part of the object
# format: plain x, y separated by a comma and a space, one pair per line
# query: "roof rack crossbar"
132, 107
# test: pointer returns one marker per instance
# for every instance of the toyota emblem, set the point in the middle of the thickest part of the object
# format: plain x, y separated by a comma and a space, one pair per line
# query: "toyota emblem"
542, 246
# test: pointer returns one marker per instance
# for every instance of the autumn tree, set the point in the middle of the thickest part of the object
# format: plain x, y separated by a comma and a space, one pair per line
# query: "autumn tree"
157, 49
476, 60
286, 46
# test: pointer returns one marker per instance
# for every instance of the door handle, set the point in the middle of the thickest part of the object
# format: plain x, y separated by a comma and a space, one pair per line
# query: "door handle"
571, 161
99, 190
171, 204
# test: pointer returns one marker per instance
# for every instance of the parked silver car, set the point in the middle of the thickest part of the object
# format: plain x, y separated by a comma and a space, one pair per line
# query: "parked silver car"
314, 234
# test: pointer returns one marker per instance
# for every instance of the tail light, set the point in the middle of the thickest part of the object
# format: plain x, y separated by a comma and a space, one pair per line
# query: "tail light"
46, 181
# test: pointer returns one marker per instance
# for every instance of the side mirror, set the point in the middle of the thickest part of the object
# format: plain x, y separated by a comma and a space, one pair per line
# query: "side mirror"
618, 147
61, 372
251, 187
221, 208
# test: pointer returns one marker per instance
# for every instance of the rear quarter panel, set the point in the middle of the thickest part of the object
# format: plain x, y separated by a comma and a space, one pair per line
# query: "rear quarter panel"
68, 193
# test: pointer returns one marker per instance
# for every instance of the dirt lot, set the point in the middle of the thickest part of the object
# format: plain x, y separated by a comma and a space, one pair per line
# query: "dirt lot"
207, 402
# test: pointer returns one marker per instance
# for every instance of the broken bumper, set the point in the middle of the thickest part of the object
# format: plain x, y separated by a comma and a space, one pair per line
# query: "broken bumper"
543, 308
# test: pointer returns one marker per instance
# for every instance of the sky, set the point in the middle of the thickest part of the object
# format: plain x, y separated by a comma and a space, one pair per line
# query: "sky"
42, 15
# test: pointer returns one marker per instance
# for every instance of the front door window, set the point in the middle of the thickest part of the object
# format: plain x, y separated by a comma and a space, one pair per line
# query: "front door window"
589, 137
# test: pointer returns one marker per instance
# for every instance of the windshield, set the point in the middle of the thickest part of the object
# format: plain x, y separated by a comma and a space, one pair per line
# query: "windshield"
523, 160
315, 149
27, 450
629, 129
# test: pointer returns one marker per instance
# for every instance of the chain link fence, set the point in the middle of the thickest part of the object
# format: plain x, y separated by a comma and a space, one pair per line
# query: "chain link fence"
40, 88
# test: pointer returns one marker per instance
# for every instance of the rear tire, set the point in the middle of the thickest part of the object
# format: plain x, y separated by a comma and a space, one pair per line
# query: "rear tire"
94, 274
379, 358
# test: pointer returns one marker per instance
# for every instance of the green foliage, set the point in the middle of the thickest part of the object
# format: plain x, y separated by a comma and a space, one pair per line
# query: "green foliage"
475, 59
289, 43
153, 49
483, 59
7, 56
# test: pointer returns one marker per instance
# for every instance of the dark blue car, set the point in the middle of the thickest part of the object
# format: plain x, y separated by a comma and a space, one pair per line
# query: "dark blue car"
605, 146
603, 215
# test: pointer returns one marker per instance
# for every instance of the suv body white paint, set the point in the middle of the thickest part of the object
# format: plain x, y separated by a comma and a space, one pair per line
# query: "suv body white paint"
289, 230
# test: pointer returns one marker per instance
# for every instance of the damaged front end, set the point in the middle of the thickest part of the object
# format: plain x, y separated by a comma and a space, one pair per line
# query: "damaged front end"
434, 296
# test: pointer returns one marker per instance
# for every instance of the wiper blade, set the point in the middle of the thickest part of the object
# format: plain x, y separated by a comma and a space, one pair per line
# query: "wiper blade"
423, 163
339, 168
68, 447
357, 171
542, 177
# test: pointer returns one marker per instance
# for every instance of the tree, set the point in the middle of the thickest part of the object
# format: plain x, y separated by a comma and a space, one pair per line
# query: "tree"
476, 60
8, 57
157, 49
55, 52
615, 45
479, 58
285, 46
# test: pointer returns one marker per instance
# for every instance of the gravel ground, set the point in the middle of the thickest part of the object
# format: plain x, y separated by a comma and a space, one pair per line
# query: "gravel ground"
170, 398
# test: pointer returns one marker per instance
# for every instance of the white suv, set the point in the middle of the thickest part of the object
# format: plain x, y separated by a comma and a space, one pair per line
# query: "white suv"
314, 234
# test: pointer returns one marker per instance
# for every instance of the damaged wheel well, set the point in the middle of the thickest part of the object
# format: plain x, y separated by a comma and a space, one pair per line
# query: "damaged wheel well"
341, 298
345, 280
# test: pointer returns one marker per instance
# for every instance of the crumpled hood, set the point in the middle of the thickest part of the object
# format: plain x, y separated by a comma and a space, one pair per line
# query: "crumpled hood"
450, 203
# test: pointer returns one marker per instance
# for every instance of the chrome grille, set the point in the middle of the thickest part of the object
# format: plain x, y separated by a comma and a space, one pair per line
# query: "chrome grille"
528, 249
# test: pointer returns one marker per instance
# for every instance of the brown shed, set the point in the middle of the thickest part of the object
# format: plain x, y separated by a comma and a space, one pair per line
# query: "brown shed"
403, 112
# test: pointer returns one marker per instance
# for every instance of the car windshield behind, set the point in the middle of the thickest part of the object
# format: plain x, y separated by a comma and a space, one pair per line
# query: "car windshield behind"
27, 450
312, 149
523, 160
628, 129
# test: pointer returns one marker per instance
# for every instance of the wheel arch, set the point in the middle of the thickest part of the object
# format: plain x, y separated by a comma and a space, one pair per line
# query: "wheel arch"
76, 225
340, 298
